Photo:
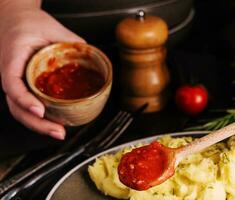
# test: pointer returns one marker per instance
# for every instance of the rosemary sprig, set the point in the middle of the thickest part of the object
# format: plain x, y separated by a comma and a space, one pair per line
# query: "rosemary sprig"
216, 123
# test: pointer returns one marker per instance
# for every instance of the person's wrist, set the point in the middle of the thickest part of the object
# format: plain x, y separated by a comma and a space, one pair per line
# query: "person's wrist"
12, 11
12, 5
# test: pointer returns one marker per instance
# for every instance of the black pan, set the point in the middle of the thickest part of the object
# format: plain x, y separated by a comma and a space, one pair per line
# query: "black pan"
96, 21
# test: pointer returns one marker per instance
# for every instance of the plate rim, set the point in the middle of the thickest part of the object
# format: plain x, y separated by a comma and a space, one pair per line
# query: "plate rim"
115, 148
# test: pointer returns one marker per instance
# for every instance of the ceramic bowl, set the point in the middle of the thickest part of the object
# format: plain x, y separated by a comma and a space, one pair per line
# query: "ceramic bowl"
77, 111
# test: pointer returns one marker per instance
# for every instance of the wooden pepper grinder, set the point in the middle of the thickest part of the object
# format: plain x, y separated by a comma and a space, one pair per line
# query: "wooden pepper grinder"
144, 74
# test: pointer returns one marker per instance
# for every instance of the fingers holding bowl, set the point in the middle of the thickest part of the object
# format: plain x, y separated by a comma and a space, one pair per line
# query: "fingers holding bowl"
35, 123
53, 60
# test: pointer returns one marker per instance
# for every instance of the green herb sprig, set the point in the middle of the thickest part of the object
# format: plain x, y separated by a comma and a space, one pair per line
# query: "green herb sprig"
216, 123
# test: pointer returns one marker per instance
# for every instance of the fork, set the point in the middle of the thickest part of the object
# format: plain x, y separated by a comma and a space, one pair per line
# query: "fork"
102, 141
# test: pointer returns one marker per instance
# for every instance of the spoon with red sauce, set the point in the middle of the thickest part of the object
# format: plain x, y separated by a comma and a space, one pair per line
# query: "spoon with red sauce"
151, 165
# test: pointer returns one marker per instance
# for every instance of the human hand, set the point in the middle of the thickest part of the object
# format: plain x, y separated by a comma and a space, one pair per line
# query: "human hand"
22, 31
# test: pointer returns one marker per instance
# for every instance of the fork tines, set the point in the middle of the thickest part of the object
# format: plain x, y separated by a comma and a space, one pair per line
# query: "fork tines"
115, 128
112, 131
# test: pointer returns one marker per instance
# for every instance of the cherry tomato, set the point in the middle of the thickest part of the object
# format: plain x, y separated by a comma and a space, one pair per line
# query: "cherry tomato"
191, 99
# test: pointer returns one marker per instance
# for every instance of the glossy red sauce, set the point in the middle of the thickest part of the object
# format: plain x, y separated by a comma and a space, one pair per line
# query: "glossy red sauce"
71, 81
140, 167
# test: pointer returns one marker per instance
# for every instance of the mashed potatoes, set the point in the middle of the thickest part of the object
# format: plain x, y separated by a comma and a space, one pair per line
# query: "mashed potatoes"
209, 175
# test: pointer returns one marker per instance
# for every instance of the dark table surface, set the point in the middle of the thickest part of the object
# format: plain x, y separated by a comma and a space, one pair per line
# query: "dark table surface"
206, 54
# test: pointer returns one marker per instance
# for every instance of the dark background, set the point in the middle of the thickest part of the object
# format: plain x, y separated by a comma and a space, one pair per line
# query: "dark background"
205, 55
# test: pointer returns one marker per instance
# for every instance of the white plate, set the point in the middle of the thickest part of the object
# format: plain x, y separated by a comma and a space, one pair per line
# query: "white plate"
76, 184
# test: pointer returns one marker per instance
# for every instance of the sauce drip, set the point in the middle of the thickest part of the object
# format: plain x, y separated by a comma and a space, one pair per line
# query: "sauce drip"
70, 81
140, 167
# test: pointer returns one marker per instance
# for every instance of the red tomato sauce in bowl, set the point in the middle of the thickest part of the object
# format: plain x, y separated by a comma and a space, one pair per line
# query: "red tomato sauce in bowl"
71, 81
